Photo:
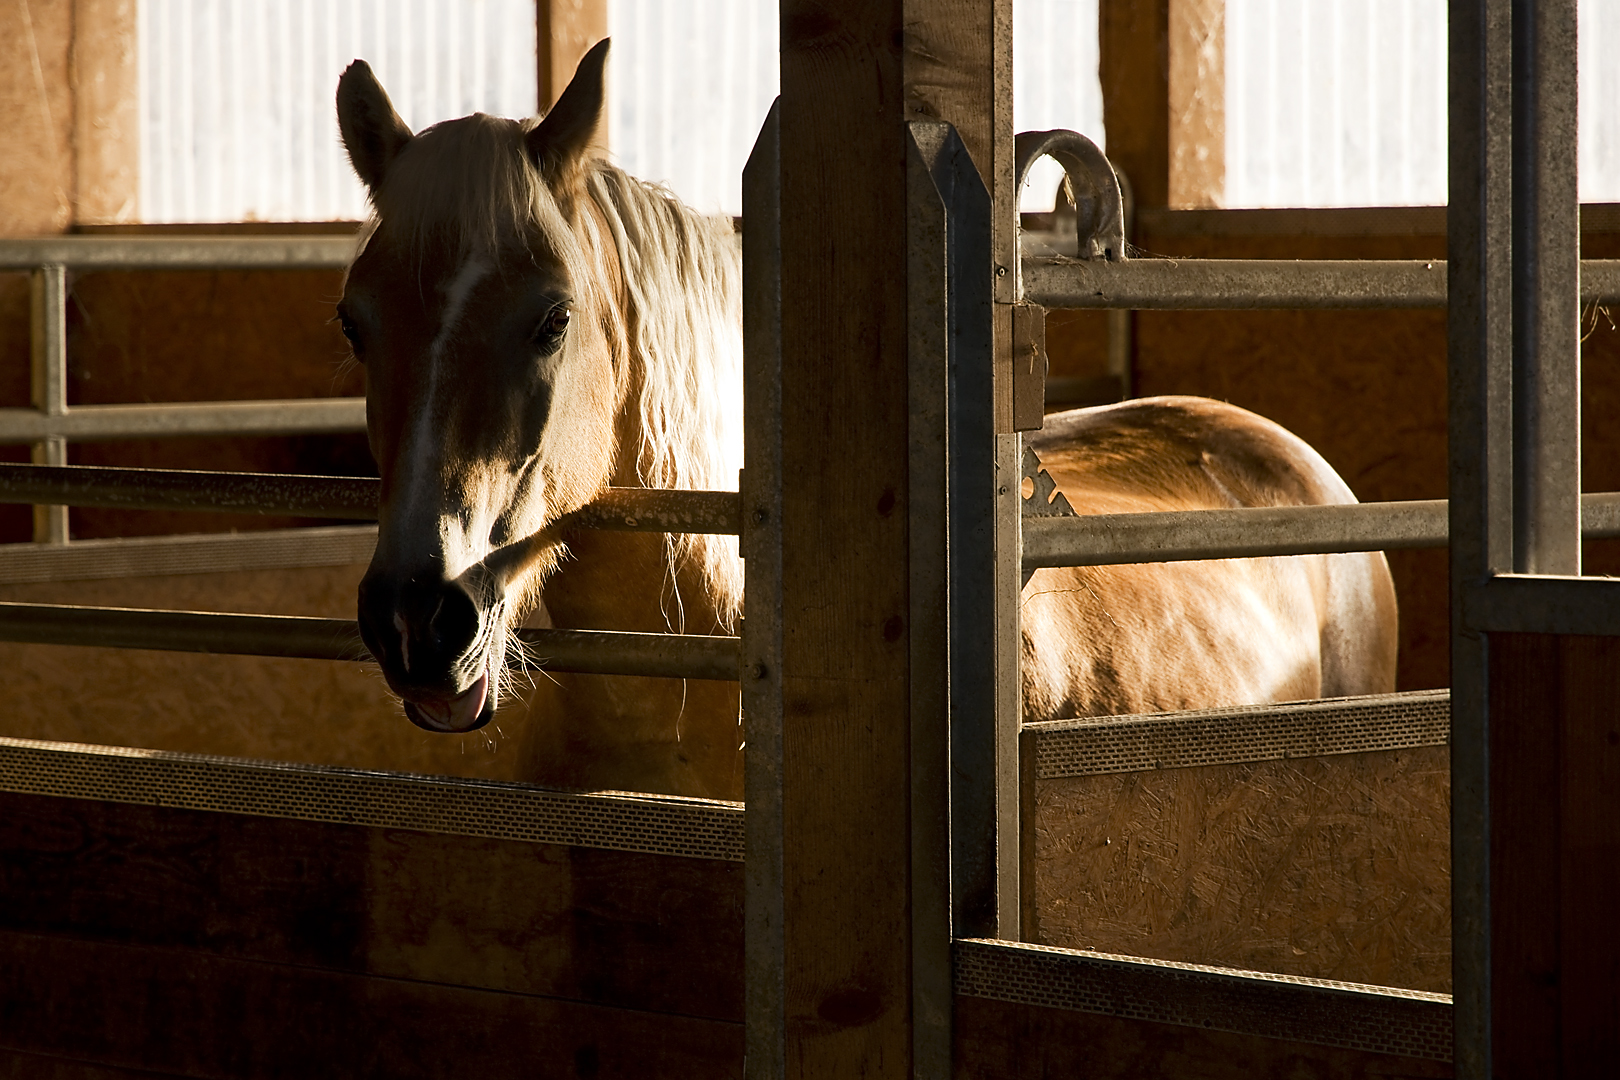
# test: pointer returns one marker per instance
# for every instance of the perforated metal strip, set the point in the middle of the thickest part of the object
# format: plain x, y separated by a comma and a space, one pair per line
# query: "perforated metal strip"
660, 825
1114, 744
1352, 1015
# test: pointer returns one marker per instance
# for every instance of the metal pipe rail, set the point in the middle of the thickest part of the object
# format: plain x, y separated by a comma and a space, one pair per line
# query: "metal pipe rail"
1246, 284
1171, 536
179, 252
591, 652
341, 497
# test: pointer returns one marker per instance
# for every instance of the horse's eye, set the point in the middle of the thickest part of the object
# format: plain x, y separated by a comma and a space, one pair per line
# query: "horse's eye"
548, 335
350, 331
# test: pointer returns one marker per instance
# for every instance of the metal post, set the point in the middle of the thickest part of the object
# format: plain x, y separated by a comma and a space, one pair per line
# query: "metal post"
765, 1008
1479, 335
1546, 291
49, 385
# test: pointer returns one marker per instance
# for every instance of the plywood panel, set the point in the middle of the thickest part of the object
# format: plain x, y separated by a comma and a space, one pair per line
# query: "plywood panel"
135, 1007
1554, 705
1333, 868
646, 932
14, 1066
997, 1040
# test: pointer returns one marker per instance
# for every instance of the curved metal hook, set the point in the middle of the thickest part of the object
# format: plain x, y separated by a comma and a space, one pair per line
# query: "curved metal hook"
1099, 208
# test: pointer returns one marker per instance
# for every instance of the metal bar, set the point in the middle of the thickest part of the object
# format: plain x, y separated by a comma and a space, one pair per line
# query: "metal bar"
1479, 249
1546, 284
594, 652
1544, 604
346, 497
86, 423
928, 426
1240, 284
48, 340
179, 252
1100, 745
686, 828
1379, 1019
205, 553
764, 935
1168, 536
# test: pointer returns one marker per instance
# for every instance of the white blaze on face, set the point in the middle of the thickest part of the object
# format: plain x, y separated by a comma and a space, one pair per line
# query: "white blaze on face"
422, 510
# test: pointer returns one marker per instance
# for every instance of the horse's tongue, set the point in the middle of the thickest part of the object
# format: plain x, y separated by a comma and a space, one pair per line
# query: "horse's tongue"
460, 713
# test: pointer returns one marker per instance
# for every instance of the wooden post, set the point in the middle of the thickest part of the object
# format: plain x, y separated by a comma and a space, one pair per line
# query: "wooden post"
564, 31
852, 73
1197, 100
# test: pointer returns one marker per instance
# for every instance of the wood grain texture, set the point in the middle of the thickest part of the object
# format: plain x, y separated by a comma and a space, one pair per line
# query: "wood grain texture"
1331, 868
1555, 854
170, 1011
846, 834
632, 931
15, 1066
1135, 69
997, 1040
1197, 103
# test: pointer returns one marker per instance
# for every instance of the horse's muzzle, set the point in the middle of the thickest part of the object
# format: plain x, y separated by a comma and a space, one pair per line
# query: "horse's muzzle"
424, 632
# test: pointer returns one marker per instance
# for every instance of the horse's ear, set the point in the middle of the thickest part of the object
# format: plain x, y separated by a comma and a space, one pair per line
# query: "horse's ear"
561, 138
372, 131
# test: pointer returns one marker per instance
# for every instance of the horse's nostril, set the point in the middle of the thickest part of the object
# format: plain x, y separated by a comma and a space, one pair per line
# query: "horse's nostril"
418, 628
455, 621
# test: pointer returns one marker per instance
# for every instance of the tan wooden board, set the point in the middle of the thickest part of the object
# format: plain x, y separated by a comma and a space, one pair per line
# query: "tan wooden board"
1331, 868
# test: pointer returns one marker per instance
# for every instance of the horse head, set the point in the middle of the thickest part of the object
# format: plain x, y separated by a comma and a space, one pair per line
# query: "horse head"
477, 306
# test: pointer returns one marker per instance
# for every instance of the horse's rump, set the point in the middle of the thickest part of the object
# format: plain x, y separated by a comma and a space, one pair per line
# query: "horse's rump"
1157, 636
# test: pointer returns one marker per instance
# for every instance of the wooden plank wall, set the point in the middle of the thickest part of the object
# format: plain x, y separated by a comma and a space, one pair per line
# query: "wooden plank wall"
200, 944
1555, 854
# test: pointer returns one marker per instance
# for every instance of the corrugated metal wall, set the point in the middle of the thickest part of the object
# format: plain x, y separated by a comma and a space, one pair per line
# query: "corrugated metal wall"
1328, 102
1343, 102
237, 120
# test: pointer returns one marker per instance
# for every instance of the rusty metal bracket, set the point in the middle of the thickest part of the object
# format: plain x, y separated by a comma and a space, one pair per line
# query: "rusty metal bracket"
1044, 498
1093, 184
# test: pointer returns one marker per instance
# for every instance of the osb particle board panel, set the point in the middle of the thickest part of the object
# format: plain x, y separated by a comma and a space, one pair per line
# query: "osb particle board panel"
998, 1040
239, 706
1334, 868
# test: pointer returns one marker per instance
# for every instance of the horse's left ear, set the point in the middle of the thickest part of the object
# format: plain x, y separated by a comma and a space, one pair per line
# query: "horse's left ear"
372, 131
561, 138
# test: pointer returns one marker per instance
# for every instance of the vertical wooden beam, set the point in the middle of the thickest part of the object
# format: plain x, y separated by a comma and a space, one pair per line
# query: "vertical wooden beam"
1134, 39
1197, 102
845, 678
106, 112
564, 31
852, 73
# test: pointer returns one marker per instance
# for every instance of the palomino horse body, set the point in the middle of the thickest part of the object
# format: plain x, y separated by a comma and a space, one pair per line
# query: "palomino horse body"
536, 325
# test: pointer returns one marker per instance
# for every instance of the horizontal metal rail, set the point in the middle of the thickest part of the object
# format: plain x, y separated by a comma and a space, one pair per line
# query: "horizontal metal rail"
1170, 536
592, 652
655, 824
179, 252
342, 497
1379, 1019
1101, 745
1241, 284
92, 423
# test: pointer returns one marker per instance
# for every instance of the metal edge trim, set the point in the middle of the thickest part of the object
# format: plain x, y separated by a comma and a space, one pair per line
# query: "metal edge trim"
649, 824
199, 553
1544, 604
1355, 1016
1240, 734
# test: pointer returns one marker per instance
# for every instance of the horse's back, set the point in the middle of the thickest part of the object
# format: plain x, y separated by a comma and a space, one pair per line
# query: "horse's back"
1198, 634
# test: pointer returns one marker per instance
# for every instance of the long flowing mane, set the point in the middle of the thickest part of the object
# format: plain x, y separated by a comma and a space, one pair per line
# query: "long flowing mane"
677, 337
682, 325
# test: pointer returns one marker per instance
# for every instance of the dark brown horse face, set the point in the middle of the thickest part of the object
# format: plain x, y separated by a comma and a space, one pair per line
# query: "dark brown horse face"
490, 393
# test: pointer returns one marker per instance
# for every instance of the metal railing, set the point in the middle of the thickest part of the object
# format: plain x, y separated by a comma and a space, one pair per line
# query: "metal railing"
52, 422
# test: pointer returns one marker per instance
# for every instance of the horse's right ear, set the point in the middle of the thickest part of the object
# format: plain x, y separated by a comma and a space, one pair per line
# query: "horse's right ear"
560, 139
372, 131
